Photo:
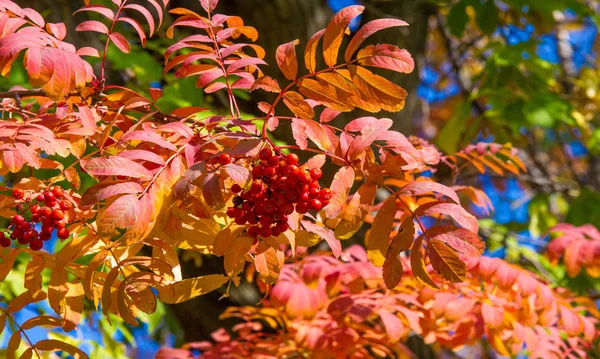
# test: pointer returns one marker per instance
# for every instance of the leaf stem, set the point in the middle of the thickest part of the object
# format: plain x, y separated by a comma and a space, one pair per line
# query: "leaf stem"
22, 332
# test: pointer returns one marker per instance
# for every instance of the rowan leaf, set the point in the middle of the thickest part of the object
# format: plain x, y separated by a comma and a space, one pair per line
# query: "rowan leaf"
446, 262
298, 105
325, 94
387, 57
378, 91
367, 136
378, 240
310, 52
418, 265
235, 255
326, 234
187, 289
367, 30
92, 25
58, 345
357, 211
266, 83
122, 214
334, 32
268, 263
115, 166
461, 240
285, 55
120, 42
340, 187
459, 214
8, 259
392, 267
418, 188
148, 136
107, 190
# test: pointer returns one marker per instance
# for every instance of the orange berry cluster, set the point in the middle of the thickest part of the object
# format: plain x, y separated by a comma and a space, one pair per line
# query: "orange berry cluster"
279, 188
49, 210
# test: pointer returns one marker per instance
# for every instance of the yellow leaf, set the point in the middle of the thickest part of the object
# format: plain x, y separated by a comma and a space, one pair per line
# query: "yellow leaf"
325, 94
298, 105
190, 288
8, 259
268, 264
235, 255
378, 241
57, 345
73, 306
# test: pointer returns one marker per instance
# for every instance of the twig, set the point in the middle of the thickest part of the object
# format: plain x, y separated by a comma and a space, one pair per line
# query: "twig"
18, 94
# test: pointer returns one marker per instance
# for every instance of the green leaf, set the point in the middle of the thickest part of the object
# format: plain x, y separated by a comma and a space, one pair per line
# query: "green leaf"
487, 17
457, 19
585, 208
451, 134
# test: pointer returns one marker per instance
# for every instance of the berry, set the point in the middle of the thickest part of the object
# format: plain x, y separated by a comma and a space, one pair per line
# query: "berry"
5, 240
59, 224
224, 158
47, 228
316, 173
302, 207
58, 192
63, 233
65, 205
51, 203
35, 208
25, 226
253, 231
18, 219
292, 159
45, 236
325, 194
40, 197
241, 220
257, 172
265, 232
46, 211
49, 197
266, 221
287, 208
292, 170
18, 193
270, 171
236, 188
36, 218
36, 244
315, 204
283, 227
33, 234
265, 154
58, 214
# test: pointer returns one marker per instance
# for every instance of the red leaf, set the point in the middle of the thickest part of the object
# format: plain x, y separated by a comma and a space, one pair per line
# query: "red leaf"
286, 59
209, 5
328, 115
461, 240
147, 136
326, 234
99, 9
58, 30
142, 155
423, 187
459, 214
386, 56
334, 32
239, 174
393, 325
492, 315
367, 136
340, 187
87, 119
310, 52
121, 214
137, 27
115, 166
248, 61
367, 30
103, 191
144, 13
446, 262
120, 41
92, 25
317, 161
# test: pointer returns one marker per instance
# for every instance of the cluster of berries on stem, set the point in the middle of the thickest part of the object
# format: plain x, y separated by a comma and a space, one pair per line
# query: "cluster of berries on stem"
279, 187
46, 208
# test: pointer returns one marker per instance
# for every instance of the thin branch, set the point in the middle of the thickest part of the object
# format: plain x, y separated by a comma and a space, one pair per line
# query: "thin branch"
18, 94
22, 332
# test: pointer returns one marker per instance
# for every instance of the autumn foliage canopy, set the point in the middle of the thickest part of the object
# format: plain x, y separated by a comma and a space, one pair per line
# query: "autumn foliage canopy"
165, 183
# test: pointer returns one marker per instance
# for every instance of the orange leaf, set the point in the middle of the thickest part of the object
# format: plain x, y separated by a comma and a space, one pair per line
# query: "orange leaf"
268, 264
325, 94
298, 105
266, 83
310, 52
378, 90
446, 262
378, 241
286, 59
392, 267
334, 32
340, 187
418, 265
358, 209
235, 255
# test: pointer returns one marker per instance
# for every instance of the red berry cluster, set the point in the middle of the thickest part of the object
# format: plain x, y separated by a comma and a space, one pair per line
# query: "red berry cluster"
279, 188
49, 210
